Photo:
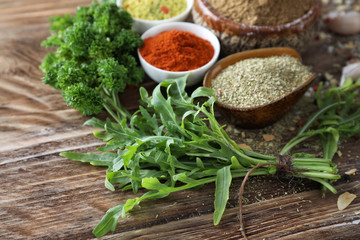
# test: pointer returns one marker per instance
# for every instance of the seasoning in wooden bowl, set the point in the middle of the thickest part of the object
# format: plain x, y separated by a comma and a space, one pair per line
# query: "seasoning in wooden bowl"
257, 81
255, 88
261, 12
243, 25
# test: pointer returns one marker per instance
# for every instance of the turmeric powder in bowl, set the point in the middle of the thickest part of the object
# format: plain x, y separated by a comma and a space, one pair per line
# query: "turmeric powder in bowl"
154, 9
176, 51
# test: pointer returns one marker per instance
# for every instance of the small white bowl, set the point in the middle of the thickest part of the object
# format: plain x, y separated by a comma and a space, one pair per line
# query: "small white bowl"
195, 75
141, 25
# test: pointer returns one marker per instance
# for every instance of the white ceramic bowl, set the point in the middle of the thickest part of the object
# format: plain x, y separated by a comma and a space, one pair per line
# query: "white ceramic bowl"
195, 75
141, 25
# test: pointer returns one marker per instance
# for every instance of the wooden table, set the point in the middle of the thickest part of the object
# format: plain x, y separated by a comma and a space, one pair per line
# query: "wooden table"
45, 196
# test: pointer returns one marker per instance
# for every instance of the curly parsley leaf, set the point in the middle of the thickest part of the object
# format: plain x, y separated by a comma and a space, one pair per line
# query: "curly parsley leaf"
95, 58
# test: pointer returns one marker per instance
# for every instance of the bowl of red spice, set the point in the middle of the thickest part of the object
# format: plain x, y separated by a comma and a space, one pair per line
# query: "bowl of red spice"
172, 50
244, 25
149, 13
255, 88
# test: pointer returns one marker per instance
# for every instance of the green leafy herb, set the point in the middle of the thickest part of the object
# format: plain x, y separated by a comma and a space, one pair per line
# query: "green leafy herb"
223, 182
174, 142
95, 58
338, 117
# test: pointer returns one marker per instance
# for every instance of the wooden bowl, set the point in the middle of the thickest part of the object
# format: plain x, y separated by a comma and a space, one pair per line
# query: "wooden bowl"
235, 37
263, 115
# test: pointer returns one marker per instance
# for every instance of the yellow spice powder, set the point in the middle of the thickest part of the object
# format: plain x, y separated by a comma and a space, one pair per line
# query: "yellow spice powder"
154, 9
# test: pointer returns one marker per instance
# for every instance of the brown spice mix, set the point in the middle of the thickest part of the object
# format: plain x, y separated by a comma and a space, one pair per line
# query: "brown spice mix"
261, 12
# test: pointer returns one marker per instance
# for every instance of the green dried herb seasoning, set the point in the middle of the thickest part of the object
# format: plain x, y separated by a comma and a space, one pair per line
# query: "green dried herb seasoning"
257, 81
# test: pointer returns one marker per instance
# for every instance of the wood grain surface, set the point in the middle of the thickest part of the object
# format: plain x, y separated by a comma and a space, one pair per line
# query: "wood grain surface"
45, 196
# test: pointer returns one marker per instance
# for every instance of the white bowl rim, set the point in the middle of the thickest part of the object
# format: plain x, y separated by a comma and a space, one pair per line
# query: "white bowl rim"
189, 5
174, 24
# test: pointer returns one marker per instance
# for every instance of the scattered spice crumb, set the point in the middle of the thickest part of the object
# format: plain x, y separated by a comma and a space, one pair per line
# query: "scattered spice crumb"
249, 140
243, 135
330, 78
339, 153
268, 137
344, 200
244, 146
300, 123
351, 171
349, 45
322, 36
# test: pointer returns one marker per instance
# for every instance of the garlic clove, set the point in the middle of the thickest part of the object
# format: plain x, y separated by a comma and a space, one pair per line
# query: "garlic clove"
350, 71
344, 23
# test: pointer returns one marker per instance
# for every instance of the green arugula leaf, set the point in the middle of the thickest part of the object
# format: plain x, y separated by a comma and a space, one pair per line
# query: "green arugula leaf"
96, 159
153, 183
109, 221
223, 182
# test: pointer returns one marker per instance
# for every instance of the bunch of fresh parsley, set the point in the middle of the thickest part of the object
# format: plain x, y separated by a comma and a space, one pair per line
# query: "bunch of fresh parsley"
95, 58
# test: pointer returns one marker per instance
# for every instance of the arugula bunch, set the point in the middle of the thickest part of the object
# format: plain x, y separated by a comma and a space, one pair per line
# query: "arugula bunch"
174, 142
95, 58
338, 117
166, 147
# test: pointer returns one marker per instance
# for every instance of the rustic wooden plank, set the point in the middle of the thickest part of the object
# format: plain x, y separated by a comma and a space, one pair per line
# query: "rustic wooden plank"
300, 216
31, 112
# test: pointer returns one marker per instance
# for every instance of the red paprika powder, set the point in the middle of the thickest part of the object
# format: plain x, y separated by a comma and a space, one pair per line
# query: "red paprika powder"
177, 51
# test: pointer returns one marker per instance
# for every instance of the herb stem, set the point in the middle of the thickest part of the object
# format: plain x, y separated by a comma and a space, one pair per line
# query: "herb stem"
111, 112
293, 142
323, 175
321, 111
311, 160
312, 167
323, 182
120, 110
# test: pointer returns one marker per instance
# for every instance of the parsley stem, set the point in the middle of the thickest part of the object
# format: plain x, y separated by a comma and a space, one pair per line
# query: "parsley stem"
111, 112
120, 110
